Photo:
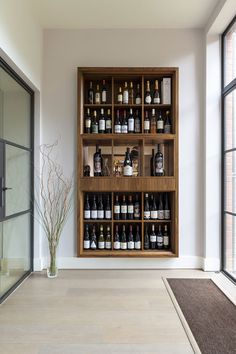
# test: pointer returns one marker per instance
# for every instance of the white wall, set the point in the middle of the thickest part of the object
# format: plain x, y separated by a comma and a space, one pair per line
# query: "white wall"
65, 50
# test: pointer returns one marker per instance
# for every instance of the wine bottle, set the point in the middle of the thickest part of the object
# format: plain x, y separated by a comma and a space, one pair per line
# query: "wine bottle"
130, 238
95, 123
123, 239
130, 208
153, 122
131, 93
108, 122
88, 122
124, 125
93, 242
117, 239
166, 238
131, 122
87, 211
154, 214
148, 98
167, 124
101, 122
94, 210
117, 208
108, 209
160, 123
97, 162
156, 94
153, 238
146, 238
159, 238
136, 208
86, 238
101, 240
166, 208
117, 122
97, 96
120, 96
146, 123
138, 95
100, 208
123, 209
160, 208
128, 165
108, 239
90, 93
104, 92
137, 122
152, 164
159, 163
137, 240
126, 94
147, 213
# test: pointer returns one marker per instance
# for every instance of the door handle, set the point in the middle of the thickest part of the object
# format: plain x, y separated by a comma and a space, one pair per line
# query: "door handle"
5, 189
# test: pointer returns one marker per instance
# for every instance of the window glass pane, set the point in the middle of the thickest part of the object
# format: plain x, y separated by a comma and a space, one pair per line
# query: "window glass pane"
230, 182
230, 55
230, 120
14, 111
230, 244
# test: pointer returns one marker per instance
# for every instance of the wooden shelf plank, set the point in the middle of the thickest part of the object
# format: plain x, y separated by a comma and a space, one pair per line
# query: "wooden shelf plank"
127, 253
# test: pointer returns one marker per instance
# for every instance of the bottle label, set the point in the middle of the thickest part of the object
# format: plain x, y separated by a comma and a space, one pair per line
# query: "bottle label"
100, 214
130, 209
118, 129
108, 245
104, 96
120, 98
95, 128
137, 245
86, 244
166, 240
131, 245
156, 100
160, 124
146, 214
153, 238
161, 214
123, 245
123, 209
97, 97
87, 214
146, 125
148, 99
97, 166
125, 97
128, 170
116, 245
108, 214
138, 100
167, 129
124, 129
159, 165
160, 240
154, 214
94, 214
101, 245
88, 123
108, 124
137, 127
116, 209
167, 214
93, 245
102, 124
131, 125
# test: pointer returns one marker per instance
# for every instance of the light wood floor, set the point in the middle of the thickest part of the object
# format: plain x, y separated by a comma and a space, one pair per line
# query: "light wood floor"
94, 311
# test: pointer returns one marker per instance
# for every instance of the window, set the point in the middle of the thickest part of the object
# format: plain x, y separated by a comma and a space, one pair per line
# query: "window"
229, 150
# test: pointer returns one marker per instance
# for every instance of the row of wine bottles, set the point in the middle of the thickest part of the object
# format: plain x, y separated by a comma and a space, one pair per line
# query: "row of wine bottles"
127, 122
126, 240
127, 94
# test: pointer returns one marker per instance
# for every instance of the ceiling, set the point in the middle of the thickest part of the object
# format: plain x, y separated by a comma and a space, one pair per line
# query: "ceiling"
100, 14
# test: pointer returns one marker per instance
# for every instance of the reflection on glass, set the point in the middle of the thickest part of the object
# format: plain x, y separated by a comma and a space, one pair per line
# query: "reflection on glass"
230, 244
230, 120
230, 55
230, 182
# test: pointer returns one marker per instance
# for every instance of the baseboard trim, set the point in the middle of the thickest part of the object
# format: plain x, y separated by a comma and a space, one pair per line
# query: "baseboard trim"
211, 264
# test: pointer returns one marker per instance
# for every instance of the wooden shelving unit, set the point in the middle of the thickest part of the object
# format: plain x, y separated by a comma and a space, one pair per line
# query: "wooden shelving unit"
113, 142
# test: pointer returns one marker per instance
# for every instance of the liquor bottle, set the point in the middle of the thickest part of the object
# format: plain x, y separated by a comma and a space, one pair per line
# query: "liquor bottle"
148, 98
101, 239
153, 122
120, 96
104, 92
124, 124
166, 208
153, 238
128, 165
117, 122
123, 208
90, 93
159, 163
160, 123
123, 239
97, 162
93, 242
97, 96
138, 95
154, 214
117, 239
146, 123
152, 164
160, 208
108, 122
137, 239
108, 209
126, 94
117, 208
131, 122
87, 211
156, 94
136, 208
167, 124
159, 238
137, 122
131, 93
146, 238
88, 122
147, 213
95, 123
130, 208
101, 122
94, 210
130, 238
86, 238
108, 239
166, 238
100, 208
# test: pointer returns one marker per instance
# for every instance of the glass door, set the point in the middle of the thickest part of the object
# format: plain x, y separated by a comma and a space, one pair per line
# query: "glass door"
16, 180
